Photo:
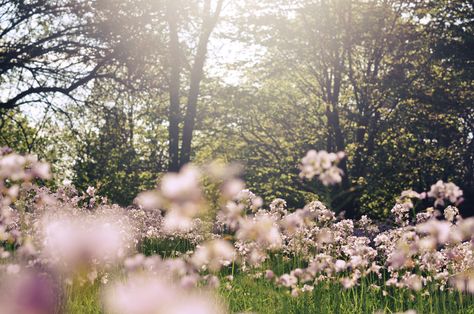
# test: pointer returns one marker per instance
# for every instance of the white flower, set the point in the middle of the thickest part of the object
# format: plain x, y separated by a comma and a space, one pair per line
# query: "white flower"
440, 230
445, 191
183, 185
144, 294
261, 229
322, 164
90, 191
450, 213
401, 214
213, 254
340, 265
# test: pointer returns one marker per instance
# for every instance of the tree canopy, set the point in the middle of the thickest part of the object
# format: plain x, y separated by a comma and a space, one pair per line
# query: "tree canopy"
131, 89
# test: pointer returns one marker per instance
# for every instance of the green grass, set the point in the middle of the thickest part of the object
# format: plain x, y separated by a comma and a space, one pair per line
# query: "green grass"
248, 294
83, 298
170, 248
259, 295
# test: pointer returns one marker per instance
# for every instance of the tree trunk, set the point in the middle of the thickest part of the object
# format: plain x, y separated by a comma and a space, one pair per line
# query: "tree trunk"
174, 85
191, 109
196, 76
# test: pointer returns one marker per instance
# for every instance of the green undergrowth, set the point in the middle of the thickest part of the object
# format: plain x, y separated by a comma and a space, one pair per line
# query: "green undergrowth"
247, 293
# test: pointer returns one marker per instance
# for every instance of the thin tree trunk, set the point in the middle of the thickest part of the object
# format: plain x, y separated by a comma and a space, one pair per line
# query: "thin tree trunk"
174, 85
196, 76
191, 109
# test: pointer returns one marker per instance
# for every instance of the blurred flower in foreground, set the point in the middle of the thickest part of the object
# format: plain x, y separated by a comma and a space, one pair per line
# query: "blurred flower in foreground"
86, 240
213, 254
145, 294
18, 167
180, 195
323, 165
442, 191
261, 229
28, 293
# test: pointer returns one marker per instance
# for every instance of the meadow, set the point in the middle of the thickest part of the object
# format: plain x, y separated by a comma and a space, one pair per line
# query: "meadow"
236, 156
181, 250
250, 294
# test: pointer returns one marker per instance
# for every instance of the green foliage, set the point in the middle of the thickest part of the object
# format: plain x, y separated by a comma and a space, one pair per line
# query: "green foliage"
122, 152
248, 294
165, 248
260, 296
388, 83
83, 298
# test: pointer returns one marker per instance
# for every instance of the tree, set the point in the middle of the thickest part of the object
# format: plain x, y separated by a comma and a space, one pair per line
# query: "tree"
208, 18
46, 49
362, 66
120, 143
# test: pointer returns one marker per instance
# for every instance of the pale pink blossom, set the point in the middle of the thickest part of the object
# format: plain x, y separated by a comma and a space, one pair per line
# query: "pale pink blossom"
442, 191
322, 165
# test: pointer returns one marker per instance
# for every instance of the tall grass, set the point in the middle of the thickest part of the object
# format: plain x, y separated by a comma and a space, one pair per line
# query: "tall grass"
248, 293
259, 295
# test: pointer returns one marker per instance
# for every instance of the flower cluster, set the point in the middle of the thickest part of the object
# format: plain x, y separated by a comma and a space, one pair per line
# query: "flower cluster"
322, 165
15, 171
180, 195
68, 238
442, 191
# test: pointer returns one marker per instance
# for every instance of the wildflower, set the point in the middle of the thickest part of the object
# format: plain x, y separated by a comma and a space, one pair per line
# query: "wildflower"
261, 229
399, 258
231, 189
440, 230
287, 280
401, 214
183, 185
178, 220
41, 170
213, 254
143, 294
249, 200
414, 282
331, 176
322, 165
307, 288
425, 216
17, 167
292, 222
450, 213
278, 206
366, 224
269, 274
90, 191
318, 212
348, 283
340, 265
72, 242
441, 191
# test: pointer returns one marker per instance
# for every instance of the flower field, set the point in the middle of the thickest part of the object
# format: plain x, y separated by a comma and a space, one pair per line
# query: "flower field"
183, 249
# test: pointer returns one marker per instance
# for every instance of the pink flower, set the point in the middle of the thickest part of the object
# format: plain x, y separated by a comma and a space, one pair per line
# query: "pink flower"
322, 164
